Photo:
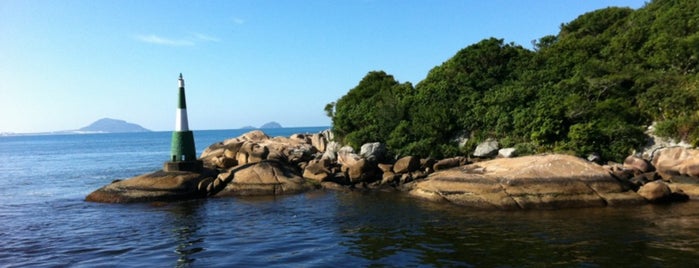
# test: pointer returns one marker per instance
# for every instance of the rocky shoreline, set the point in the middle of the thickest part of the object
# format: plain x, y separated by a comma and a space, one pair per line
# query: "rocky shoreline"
256, 164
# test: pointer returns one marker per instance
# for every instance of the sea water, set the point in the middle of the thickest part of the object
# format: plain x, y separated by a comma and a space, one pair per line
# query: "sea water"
45, 222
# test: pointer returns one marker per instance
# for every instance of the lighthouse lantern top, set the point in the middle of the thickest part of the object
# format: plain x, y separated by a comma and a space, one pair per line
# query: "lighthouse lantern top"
181, 80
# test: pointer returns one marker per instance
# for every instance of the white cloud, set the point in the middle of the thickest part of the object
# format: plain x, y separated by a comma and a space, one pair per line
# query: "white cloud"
204, 37
158, 40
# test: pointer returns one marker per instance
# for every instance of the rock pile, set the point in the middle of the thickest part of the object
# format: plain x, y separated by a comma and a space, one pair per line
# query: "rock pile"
256, 164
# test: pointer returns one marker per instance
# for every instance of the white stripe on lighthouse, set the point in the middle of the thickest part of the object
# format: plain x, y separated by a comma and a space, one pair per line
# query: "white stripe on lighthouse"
181, 123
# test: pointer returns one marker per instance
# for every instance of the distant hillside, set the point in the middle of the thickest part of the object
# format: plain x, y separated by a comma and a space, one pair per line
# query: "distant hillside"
112, 126
271, 125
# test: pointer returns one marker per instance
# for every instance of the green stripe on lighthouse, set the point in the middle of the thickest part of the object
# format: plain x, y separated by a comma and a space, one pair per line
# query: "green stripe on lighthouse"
182, 104
183, 146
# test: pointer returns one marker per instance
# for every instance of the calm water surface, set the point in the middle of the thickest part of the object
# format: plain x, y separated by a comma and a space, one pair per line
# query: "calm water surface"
44, 221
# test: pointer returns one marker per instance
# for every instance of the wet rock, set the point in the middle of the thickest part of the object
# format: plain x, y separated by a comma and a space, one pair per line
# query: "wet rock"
156, 186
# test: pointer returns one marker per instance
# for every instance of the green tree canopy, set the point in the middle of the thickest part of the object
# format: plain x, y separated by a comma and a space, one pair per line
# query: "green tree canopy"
592, 88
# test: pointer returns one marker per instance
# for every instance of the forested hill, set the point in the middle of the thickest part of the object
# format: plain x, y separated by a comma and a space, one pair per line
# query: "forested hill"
593, 88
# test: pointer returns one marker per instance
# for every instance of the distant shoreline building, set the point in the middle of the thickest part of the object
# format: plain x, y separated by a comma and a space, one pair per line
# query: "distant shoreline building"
182, 153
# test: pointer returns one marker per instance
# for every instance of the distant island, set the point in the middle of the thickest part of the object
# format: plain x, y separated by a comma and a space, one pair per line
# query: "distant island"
104, 125
265, 126
271, 125
109, 125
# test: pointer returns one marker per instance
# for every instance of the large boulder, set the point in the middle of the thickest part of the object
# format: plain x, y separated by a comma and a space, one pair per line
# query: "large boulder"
347, 157
317, 170
331, 150
677, 161
156, 186
328, 134
319, 141
363, 171
530, 182
374, 151
262, 178
448, 163
655, 191
639, 164
507, 152
406, 164
488, 148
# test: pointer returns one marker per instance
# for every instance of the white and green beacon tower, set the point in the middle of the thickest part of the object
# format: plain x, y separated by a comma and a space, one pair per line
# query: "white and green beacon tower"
182, 153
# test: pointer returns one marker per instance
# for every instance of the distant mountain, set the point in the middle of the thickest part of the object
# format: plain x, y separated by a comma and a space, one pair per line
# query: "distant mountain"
271, 125
109, 125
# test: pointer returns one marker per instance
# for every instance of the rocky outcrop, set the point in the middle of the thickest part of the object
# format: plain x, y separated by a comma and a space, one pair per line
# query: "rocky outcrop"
252, 164
530, 182
256, 146
156, 186
256, 164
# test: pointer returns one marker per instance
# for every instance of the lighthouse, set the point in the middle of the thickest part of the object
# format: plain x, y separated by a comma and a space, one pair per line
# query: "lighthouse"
182, 153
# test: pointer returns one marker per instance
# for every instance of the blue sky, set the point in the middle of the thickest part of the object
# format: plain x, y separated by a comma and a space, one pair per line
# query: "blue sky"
65, 64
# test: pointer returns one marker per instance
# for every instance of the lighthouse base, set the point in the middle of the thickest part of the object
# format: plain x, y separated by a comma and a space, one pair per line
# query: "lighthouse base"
193, 166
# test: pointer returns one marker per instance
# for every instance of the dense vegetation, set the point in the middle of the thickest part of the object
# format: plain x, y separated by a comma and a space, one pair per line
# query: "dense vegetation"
593, 88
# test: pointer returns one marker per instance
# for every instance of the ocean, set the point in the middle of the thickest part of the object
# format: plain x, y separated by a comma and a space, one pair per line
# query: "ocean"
45, 222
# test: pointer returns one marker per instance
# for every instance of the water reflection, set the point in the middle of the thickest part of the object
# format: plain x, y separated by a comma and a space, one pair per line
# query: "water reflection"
186, 218
399, 231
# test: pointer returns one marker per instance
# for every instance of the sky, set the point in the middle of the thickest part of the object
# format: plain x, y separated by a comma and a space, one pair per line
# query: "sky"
66, 64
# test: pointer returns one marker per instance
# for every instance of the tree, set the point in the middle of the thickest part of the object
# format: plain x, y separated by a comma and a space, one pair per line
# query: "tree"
371, 110
592, 88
